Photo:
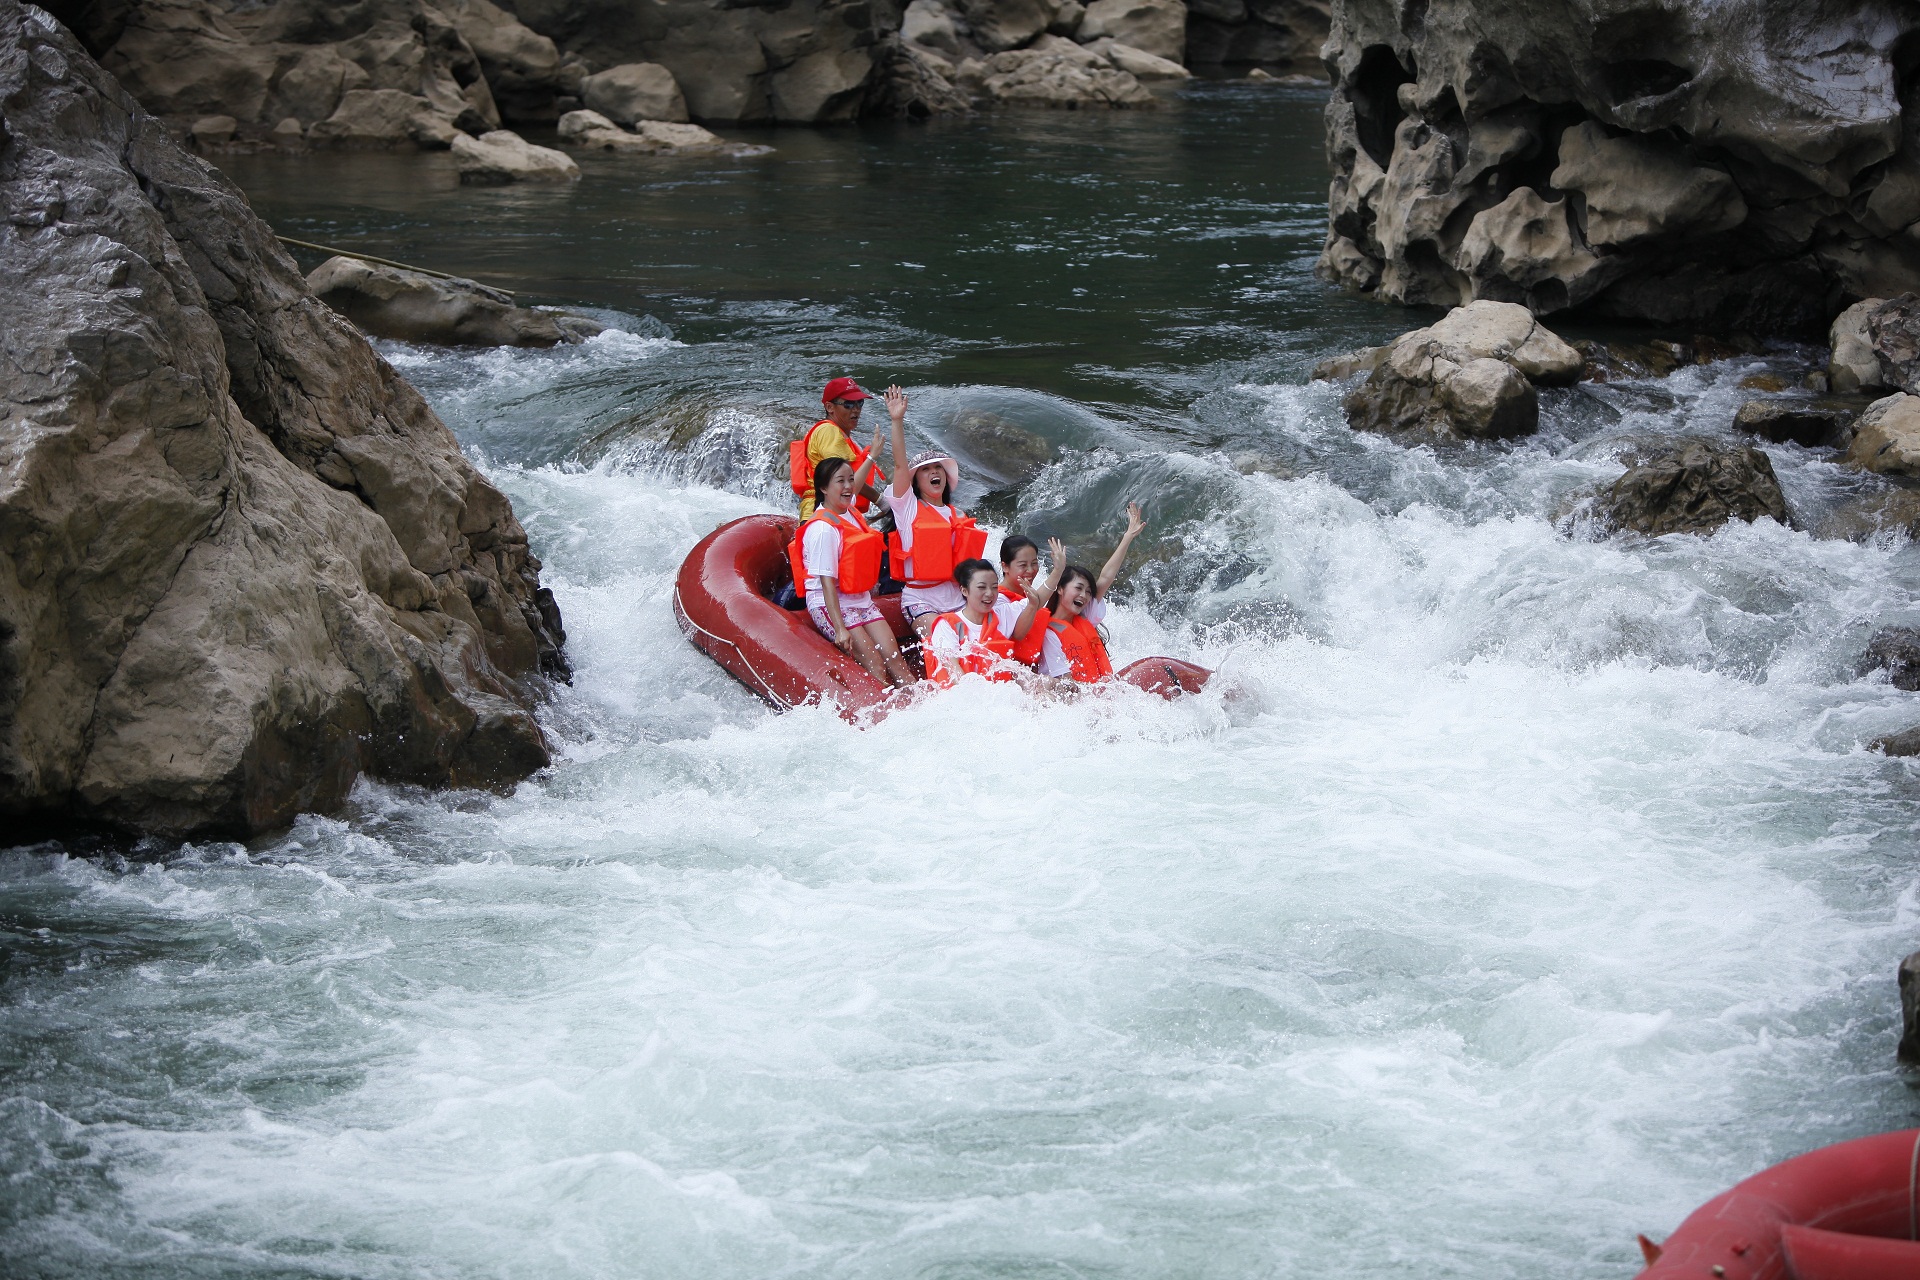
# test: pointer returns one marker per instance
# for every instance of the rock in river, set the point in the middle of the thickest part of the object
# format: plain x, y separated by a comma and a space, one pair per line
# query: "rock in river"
411, 306
1886, 439
503, 156
242, 561
1895, 650
1694, 486
1471, 375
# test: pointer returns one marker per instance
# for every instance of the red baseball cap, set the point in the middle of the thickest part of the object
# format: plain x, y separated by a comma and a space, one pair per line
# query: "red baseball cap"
843, 389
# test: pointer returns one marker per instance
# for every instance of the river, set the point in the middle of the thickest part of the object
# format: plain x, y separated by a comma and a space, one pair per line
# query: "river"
1534, 887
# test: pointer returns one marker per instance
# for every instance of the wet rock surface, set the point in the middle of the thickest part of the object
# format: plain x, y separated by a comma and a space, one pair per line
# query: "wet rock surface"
594, 132
1732, 167
1694, 486
411, 306
1825, 423
1265, 32
1908, 1051
244, 562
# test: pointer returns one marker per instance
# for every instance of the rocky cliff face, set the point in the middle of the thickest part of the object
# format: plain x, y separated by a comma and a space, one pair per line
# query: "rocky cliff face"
241, 562
1728, 164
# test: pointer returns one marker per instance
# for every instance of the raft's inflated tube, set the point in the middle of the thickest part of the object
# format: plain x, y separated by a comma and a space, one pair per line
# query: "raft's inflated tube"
723, 602
1846, 1212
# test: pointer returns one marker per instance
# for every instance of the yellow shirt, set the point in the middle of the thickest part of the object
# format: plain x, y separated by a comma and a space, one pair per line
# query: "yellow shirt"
827, 441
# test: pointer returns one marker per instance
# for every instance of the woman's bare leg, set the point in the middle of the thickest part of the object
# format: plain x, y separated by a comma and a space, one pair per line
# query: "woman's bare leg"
894, 662
868, 654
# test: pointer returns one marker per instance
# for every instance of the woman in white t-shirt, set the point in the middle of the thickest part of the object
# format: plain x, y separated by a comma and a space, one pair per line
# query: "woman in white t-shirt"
1073, 646
931, 536
838, 561
978, 637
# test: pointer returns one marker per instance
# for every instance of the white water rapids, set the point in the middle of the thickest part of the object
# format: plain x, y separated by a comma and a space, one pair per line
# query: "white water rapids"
1535, 888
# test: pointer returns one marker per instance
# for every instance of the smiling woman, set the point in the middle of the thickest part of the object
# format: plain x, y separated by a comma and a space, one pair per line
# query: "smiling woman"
1537, 890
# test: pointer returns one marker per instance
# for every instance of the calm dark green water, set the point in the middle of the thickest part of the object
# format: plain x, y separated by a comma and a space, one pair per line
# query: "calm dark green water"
1535, 887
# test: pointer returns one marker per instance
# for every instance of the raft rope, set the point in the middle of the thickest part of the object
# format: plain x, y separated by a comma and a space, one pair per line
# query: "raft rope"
384, 262
680, 613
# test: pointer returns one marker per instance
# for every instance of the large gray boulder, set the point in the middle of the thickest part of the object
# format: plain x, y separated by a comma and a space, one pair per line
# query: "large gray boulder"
1054, 72
242, 562
411, 306
1886, 438
633, 92
1693, 486
1471, 375
1729, 166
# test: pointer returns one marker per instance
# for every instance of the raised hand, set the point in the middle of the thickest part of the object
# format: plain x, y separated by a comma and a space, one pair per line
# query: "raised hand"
1135, 521
896, 403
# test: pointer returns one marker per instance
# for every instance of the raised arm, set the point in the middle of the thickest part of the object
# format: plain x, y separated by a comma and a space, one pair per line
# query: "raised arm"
1041, 592
1111, 569
897, 414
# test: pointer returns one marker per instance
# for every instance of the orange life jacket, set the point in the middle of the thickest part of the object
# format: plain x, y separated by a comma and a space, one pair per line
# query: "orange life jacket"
1026, 651
859, 554
800, 471
1086, 653
939, 545
985, 656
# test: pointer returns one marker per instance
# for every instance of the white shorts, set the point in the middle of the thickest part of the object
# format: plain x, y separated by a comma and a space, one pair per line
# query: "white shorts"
854, 615
942, 597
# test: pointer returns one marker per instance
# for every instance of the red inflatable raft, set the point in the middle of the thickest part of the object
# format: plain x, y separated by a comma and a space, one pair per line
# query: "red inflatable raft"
1846, 1212
723, 599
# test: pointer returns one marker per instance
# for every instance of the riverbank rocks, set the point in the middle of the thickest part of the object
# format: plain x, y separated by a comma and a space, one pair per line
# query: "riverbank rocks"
1692, 486
1688, 164
1282, 33
1054, 73
411, 306
1471, 375
633, 92
502, 156
243, 563
1158, 27
1875, 346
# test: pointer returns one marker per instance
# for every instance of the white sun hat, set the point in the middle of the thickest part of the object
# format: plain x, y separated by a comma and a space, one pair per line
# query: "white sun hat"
930, 456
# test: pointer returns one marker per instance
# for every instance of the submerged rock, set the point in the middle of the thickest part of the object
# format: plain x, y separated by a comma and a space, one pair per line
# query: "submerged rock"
411, 306
1347, 364
244, 561
1693, 487
1895, 650
1472, 374
1006, 451
1690, 163
502, 156
1886, 438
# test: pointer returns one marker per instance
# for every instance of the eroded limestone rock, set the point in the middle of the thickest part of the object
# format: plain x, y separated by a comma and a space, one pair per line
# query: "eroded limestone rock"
1719, 166
1055, 73
1693, 487
1470, 375
594, 132
242, 562
1157, 26
1286, 33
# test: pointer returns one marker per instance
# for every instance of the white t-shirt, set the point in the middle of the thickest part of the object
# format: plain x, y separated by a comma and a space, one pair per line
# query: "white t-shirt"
820, 557
1053, 658
947, 644
942, 597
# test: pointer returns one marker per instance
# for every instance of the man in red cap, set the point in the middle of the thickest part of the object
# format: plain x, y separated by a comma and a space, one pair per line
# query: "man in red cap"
832, 437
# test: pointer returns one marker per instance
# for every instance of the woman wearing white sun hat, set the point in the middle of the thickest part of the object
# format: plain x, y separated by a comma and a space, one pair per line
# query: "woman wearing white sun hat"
930, 535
